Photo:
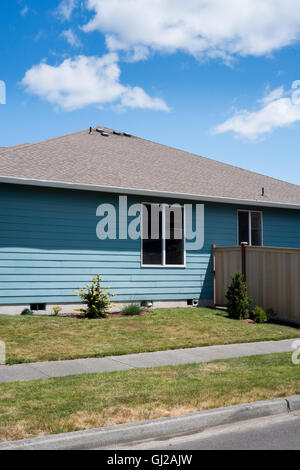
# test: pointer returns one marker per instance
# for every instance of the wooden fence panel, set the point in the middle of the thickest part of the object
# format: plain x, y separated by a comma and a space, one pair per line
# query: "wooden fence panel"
272, 274
227, 262
273, 278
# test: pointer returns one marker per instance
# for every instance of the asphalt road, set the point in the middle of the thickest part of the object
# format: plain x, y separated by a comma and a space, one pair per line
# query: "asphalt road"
275, 432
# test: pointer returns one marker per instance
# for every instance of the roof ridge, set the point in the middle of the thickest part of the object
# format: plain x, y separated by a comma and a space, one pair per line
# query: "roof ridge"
78, 158
19, 146
59, 137
15, 147
162, 145
31, 144
217, 161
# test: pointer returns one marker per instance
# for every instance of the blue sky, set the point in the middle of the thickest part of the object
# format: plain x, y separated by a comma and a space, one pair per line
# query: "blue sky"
211, 80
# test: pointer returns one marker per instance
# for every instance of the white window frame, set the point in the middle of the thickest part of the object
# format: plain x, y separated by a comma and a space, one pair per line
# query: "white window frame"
250, 226
164, 265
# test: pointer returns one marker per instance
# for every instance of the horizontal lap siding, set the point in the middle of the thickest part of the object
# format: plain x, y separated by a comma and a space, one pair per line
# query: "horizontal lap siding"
282, 228
48, 248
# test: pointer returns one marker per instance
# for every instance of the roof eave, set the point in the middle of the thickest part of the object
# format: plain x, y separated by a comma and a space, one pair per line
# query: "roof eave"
146, 192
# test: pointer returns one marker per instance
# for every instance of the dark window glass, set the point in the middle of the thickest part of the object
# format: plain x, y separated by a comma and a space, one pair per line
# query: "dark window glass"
152, 237
256, 232
243, 218
175, 234
152, 247
36, 307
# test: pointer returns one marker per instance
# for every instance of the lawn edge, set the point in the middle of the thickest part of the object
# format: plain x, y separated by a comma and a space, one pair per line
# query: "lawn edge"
13, 362
162, 427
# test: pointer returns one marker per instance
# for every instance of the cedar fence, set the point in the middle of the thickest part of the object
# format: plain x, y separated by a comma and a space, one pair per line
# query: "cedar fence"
272, 276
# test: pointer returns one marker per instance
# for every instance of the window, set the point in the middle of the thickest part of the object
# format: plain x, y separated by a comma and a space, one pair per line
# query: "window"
37, 307
152, 247
250, 227
163, 235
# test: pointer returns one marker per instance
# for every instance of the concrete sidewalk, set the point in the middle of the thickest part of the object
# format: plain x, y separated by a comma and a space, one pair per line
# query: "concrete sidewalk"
42, 370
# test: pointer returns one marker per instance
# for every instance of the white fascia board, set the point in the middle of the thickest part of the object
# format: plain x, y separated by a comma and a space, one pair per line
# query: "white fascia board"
146, 192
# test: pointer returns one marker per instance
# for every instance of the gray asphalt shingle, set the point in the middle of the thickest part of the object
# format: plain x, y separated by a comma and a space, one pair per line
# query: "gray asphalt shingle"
131, 162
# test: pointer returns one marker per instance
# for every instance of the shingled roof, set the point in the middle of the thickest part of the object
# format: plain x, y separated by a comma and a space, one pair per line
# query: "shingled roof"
128, 164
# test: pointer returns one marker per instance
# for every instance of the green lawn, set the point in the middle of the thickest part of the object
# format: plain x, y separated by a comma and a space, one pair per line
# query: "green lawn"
66, 404
30, 339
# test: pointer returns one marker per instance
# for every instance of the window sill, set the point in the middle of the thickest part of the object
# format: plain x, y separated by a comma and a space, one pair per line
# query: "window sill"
163, 266
251, 245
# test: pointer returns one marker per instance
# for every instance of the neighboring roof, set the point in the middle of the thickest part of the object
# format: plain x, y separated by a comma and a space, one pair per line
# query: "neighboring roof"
134, 165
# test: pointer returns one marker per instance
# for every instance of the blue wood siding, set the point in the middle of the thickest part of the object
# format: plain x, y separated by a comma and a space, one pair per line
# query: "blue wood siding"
49, 247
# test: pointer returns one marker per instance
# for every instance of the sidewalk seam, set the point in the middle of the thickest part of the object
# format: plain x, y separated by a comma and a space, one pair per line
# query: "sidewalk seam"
36, 368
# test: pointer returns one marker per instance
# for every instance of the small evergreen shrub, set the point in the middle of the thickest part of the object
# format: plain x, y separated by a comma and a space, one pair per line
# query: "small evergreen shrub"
26, 311
259, 315
238, 300
132, 310
271, 314
96, 299
56, 311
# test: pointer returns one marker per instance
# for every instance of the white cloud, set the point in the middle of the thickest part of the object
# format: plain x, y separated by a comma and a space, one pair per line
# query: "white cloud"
138, 53
83, 81
24, 10
136, 97
278, 109
213, 28
273, 95
71, 37
65, 9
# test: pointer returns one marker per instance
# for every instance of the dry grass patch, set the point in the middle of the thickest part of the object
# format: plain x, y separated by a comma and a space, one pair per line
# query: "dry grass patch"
66, 404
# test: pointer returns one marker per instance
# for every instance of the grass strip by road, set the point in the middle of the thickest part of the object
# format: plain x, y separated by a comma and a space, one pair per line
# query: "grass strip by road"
51, 406
33, 339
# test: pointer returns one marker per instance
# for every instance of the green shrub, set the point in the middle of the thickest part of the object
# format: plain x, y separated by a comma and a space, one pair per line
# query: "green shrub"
26, 311
238, 300
271, 314
259, 315
96, 298
132, 310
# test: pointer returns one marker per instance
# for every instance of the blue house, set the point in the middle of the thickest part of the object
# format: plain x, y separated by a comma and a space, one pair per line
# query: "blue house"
70, 209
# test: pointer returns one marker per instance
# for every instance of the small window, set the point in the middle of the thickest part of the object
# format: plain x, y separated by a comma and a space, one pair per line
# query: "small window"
163, 235
250, 227
256, 229
37, 307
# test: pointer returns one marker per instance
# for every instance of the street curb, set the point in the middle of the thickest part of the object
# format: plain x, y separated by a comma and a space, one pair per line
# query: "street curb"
177, 425
293, 403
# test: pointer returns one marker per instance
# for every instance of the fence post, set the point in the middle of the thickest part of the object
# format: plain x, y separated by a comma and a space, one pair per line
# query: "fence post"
243, 253
214, 273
